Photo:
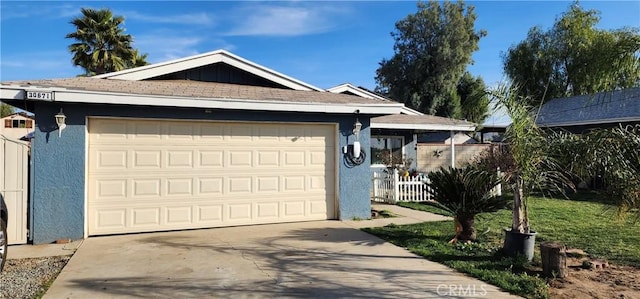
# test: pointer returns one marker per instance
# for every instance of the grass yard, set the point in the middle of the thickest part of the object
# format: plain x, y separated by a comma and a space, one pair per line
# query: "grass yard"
581, 222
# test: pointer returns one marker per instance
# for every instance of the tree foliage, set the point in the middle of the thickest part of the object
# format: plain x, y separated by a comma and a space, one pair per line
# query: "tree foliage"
6, 110
101, 43
432, 50
612, 154
474, 100
574, 58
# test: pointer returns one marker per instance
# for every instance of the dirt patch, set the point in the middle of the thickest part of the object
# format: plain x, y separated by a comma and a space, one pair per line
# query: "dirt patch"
611, 282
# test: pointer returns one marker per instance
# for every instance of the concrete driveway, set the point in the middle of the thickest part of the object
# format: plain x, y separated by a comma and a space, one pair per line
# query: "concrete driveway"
323, 259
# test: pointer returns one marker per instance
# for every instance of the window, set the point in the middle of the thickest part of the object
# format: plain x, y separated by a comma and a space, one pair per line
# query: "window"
18, 123
387, 150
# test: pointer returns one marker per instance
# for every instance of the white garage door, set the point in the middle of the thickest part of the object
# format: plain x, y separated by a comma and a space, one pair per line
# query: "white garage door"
149, 175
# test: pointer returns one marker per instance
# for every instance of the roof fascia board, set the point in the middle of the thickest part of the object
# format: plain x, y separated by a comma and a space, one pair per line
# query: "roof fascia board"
426, 127
366, 94
154, 70
355, 90
408, 111
72, 96
11, 94
592, 122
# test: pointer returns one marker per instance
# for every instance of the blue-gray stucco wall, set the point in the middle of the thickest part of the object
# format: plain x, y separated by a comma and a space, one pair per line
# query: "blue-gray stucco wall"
58, 168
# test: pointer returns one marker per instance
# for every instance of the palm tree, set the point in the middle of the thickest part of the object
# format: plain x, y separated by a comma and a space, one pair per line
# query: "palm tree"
138, 60
465, 193
536, 165
101, 45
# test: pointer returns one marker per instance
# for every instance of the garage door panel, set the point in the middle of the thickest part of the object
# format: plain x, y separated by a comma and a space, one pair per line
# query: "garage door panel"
147, 159
266, 210
165, 175
176, 186
149, 216
240, 158
179, 159
179, 215
145, 188
209, 214
210, 185
239, 212
211, 158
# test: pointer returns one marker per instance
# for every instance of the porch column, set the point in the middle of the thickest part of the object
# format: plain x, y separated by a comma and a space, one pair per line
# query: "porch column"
453, 151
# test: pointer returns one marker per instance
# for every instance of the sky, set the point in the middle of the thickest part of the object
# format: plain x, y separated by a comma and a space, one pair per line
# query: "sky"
323, 43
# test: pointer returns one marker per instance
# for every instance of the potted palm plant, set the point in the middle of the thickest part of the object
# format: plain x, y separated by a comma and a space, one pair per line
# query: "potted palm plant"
534, 167
465, 192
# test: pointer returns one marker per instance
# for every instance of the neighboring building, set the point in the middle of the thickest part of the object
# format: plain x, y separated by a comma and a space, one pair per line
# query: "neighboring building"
396, 137
205, 141
600, 110
17, 125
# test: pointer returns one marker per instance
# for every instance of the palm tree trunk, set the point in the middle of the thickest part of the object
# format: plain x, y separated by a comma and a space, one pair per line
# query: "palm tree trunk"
519, 217
464, 228
467, 232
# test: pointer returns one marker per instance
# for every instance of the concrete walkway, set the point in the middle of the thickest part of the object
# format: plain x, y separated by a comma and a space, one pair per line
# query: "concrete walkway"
321, 259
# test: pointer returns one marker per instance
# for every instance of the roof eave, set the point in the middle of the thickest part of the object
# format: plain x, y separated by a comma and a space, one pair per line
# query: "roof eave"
423, 127
591, 122
94, 97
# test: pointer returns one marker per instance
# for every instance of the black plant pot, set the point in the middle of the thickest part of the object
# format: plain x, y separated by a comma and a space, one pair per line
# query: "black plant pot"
516, 243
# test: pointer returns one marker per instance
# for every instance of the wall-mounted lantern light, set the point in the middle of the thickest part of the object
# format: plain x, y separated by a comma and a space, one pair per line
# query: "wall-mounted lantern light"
60, 121
357, 126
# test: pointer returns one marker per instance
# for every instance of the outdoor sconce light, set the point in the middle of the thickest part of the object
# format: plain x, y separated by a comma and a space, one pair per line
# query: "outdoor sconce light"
60, 121
356, 144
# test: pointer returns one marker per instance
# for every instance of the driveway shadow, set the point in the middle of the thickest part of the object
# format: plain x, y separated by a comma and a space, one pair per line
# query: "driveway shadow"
260, 262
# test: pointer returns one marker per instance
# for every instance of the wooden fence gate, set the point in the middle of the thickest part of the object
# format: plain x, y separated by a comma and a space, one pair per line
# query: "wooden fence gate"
14, 158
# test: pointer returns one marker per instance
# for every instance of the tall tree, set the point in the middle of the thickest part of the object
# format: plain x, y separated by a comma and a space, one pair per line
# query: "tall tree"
474, 100
574, 58
6, 110
432, 50
101, 45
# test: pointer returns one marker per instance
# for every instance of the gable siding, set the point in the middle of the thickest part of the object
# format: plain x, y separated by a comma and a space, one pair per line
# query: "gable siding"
221, 73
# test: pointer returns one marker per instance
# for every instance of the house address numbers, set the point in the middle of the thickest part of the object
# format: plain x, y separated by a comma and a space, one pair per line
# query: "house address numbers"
40, 95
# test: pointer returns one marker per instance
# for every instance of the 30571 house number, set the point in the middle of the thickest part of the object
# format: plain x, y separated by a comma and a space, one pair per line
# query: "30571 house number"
40, 95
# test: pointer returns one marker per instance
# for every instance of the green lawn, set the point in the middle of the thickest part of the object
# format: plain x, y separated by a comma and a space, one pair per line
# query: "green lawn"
579, 223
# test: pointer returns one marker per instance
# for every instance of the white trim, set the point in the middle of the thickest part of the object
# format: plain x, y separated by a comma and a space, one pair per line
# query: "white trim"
367, 94
409, 111
336, 171
11, 93
348, 87
86, 177
95, 97
163, 68
426, 127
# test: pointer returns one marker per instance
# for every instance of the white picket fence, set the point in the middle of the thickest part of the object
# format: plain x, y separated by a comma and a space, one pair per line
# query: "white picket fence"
391, 187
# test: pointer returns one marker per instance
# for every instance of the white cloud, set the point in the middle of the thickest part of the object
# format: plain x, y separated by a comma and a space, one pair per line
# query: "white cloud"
19, 10
169, 45
184, 19
266, 20
166, 46
37, 65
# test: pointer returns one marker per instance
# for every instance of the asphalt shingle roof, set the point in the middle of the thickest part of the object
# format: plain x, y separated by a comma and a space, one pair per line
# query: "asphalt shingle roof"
604, 107
419, 119
196, 89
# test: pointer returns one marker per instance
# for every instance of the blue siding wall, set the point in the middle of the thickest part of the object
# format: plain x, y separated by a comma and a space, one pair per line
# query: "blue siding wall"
57, 197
